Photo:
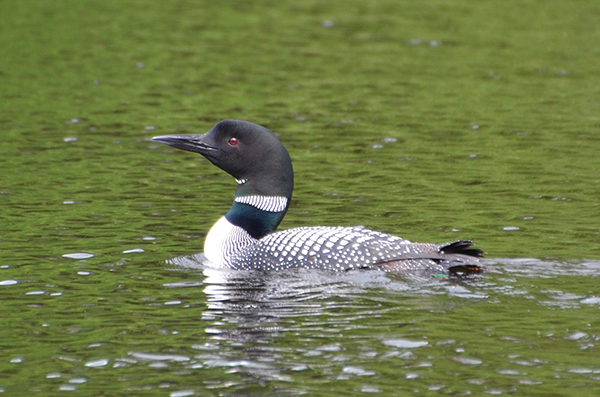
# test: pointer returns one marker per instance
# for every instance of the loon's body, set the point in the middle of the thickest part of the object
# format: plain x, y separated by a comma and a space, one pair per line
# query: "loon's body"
245, 237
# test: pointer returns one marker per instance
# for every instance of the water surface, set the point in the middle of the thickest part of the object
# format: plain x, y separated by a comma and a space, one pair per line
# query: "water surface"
433, 121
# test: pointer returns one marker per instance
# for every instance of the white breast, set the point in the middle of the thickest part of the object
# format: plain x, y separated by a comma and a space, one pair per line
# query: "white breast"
223, 240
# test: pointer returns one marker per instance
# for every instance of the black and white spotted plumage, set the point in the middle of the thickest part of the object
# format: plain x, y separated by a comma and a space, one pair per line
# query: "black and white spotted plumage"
343, 249
245, 237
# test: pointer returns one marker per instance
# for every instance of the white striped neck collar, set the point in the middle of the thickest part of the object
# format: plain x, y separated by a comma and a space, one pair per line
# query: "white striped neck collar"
265, 203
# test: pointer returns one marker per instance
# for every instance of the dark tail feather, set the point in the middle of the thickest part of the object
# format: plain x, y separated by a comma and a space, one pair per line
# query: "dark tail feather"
465, 271
461, 247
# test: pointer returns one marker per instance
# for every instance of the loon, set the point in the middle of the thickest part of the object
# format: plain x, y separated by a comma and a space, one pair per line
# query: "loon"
246, 238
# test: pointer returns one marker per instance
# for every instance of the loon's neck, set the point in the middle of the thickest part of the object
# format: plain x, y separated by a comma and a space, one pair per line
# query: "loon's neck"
257, 215
250, 218
258, 211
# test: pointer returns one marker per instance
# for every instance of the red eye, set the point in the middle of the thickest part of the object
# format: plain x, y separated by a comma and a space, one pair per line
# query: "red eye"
233, 141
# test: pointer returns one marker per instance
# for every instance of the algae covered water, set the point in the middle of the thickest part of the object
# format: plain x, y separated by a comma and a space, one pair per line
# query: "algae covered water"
434, 121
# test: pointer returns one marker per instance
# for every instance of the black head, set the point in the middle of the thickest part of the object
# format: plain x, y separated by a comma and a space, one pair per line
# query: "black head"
246, 151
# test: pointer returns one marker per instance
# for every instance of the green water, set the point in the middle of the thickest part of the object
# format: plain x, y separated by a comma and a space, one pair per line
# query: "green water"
431, 120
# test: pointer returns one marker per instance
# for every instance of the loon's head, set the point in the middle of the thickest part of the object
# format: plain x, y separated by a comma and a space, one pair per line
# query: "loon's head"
250, 153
